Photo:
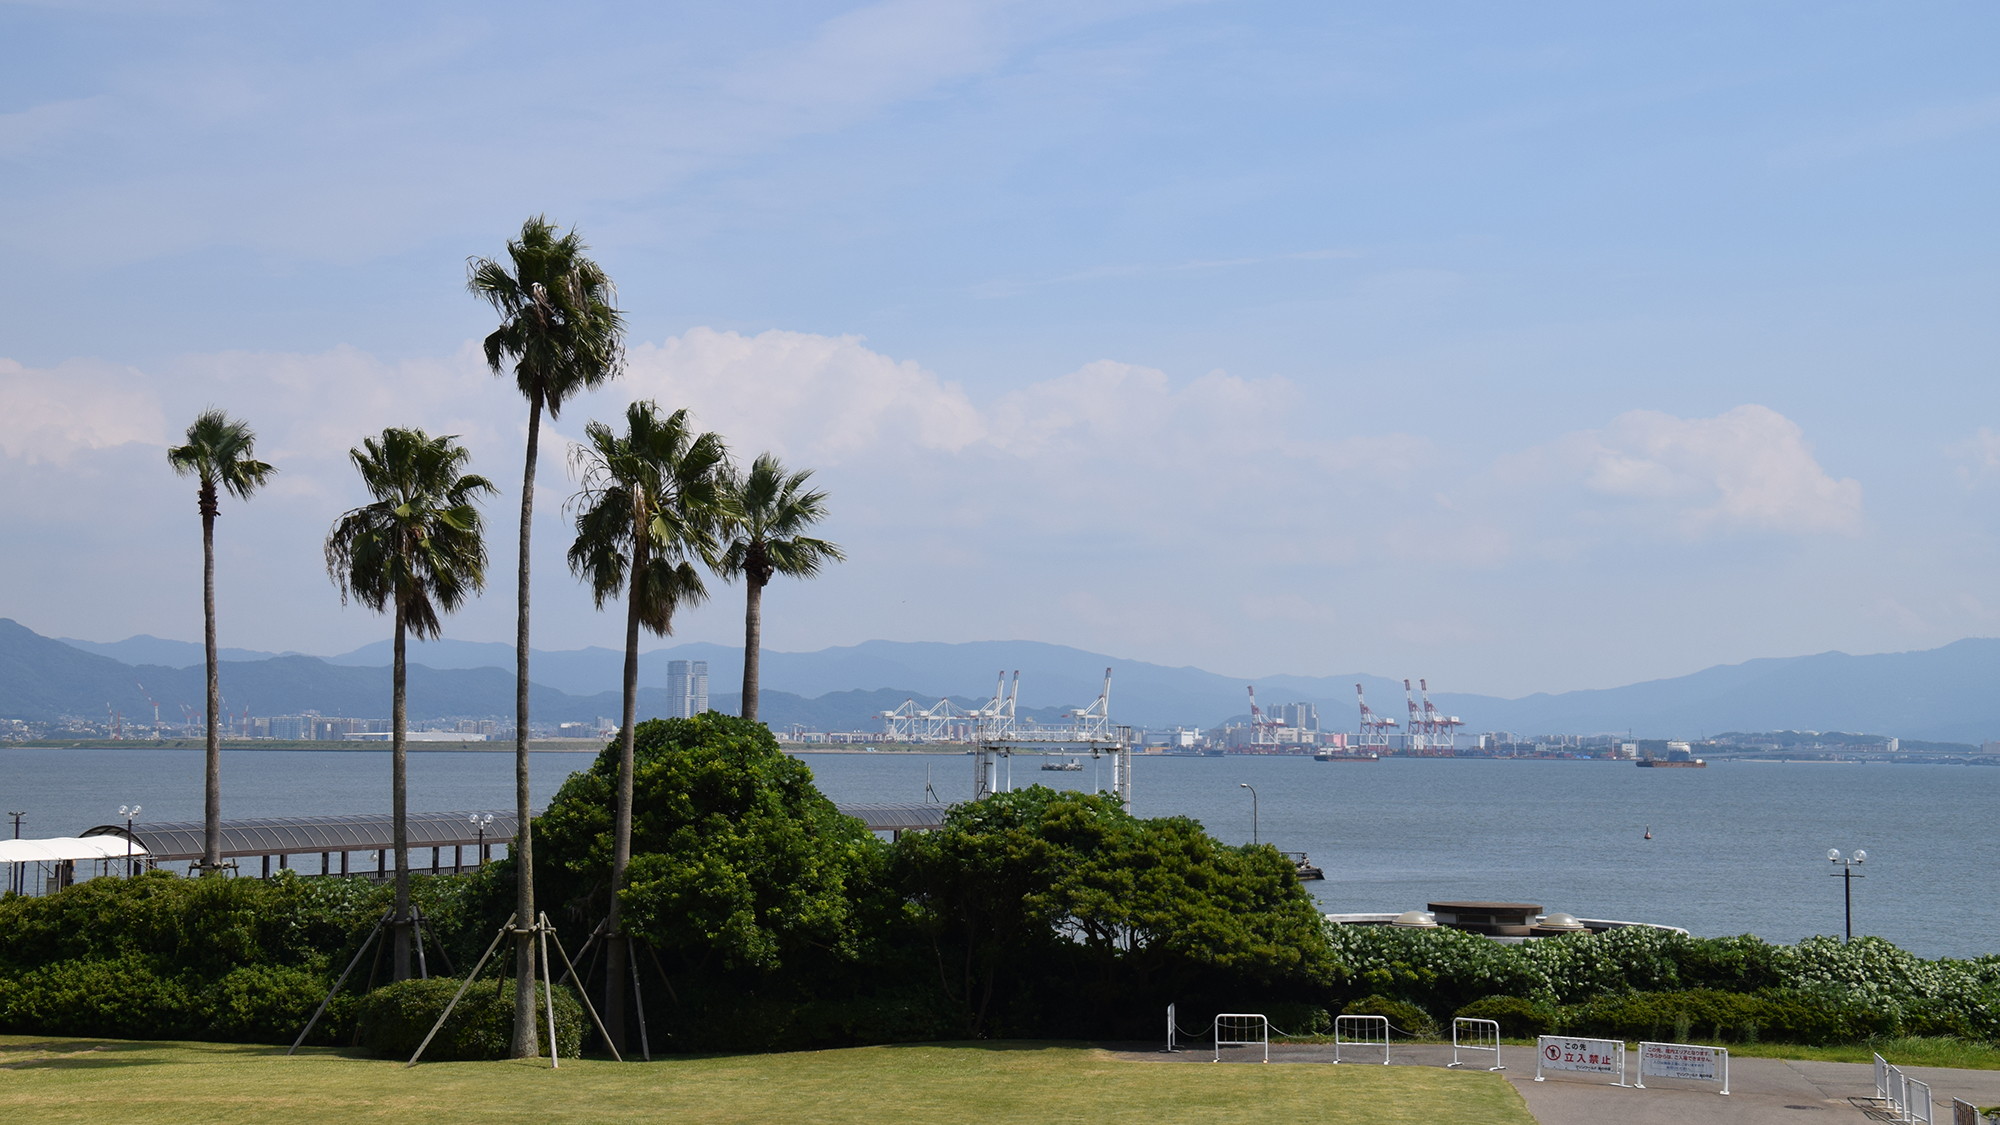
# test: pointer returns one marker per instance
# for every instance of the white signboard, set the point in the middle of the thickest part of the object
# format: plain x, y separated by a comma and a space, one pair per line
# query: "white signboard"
1590, 1056
1682, 1060
1597, 1056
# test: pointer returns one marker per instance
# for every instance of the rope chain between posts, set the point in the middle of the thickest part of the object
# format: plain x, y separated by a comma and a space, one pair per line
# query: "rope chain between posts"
1276, 1031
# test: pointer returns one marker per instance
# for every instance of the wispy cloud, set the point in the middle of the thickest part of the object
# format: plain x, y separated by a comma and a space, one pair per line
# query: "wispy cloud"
1932, 124
1010, 288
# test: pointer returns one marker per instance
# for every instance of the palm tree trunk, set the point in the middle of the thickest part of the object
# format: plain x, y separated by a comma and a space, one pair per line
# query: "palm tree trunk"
399, 782
211, 814
526, 1042
753, 644
617, 951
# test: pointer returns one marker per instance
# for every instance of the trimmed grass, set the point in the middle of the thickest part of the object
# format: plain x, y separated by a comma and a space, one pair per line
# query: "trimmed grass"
62, 1081
1959, 1053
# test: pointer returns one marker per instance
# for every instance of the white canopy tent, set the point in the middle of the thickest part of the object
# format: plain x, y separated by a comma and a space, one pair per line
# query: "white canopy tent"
68, 847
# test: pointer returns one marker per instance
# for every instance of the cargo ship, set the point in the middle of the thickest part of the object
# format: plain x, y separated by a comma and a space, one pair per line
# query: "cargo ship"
1667, 764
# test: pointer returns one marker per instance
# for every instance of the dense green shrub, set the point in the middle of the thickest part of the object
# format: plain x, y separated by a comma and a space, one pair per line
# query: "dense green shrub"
1711, 1016
1407, 1019
1437, 969
268, 1004
158, 956
1518, 1016
123, 998
393, 1020
738, 861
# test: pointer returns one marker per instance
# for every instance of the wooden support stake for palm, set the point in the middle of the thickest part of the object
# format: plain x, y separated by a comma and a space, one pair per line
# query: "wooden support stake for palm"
353, 961
469, 978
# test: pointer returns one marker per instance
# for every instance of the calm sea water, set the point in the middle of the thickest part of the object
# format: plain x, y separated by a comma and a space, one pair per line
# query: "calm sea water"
1736, 848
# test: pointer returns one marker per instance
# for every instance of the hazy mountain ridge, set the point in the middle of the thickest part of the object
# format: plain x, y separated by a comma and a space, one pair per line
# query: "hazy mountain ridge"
1937, 694
44, 680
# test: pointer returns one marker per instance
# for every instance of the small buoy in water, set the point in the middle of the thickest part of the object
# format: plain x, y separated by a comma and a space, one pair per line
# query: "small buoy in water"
1649, 832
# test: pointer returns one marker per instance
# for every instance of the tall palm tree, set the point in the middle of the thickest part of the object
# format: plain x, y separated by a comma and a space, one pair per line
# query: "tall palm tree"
418, 550
651, 501
767, 538
561, 333
218, 453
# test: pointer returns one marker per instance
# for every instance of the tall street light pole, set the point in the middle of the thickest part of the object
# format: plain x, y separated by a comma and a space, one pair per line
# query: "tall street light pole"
1253, 809
480, 823
1847, 877
17, 879
130, 813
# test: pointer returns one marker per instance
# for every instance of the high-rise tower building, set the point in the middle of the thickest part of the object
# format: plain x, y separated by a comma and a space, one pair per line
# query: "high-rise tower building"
1300, 716
687, 688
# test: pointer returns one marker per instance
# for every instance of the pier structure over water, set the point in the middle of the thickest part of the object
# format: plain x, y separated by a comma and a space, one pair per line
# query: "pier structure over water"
355, 847
1001, 734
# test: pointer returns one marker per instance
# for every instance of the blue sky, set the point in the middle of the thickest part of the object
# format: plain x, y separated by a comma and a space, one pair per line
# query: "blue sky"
1521, 349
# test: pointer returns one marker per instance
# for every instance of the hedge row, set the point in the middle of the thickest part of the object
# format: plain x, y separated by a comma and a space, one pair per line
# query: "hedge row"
1646, 982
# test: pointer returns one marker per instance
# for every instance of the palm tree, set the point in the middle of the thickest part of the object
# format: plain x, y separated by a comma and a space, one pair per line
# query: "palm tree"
767, 538
652, 498
419, 550
562, 334
218, 454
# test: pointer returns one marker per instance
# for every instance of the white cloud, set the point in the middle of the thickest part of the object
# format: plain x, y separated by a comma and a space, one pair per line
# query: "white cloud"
1748, 469
1978, 457
825, 399
55, 414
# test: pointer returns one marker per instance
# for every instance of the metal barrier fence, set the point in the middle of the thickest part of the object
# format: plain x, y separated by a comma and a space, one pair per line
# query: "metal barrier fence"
1236, 1029
1907, 1099
1916, 1108
1683, 1060
1361, 1031
1586, 1056
1473, 1035
1964, 1112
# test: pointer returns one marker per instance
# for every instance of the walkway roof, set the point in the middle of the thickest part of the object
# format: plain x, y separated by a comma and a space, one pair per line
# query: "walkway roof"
169, 841
297, 835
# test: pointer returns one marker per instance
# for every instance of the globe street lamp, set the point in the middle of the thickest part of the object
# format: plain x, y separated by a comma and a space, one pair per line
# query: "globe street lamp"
130, 814
480, 822
1253, 809
1847, 877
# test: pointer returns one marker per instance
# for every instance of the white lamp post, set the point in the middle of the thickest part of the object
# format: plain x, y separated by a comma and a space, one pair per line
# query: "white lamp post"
1847, 877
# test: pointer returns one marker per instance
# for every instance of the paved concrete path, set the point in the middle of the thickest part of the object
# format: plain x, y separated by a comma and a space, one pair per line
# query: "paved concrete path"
1761, 1091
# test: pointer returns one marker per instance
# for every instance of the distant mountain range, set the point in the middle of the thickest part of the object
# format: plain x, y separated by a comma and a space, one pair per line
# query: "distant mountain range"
1939, 695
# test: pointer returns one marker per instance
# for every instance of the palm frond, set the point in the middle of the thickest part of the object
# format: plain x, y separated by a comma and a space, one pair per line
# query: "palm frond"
421, 544
653, 499
560, 325
219, 452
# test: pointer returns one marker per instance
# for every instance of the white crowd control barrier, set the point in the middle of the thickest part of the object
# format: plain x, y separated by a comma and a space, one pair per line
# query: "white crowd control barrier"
1964, 1112
1361, 1031
1242, 1029
1916, 1107
1907, 1099
1587, 1056
1683, 1060
1475, 1036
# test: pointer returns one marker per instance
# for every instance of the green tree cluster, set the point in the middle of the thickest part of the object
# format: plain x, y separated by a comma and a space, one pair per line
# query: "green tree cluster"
657, 500
770, 919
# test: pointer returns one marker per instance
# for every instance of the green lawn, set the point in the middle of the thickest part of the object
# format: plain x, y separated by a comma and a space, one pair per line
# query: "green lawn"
1960, 1053
113, 1081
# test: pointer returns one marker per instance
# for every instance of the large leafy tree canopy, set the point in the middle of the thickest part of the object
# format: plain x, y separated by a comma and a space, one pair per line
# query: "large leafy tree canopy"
1036, 885
738, 862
